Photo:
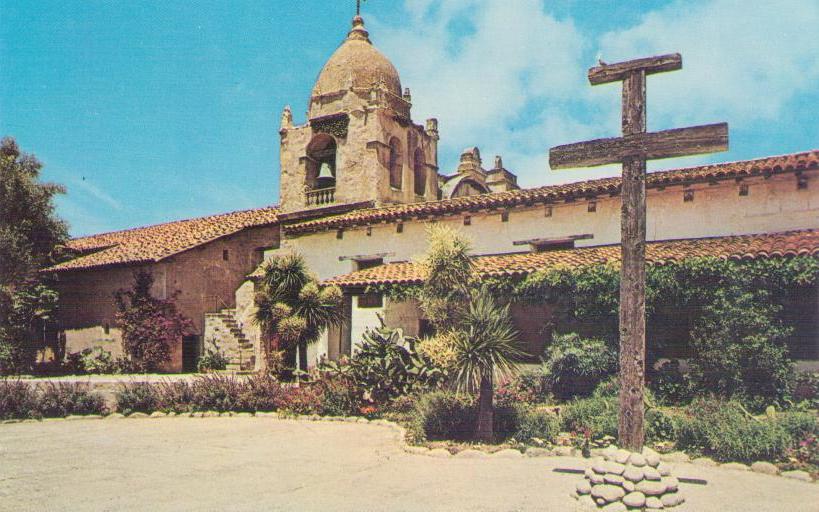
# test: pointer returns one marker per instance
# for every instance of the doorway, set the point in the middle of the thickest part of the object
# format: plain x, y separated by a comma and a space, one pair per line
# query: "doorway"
190, 354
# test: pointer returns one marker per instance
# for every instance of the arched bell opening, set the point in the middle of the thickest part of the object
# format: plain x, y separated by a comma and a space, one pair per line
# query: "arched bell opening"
321, 169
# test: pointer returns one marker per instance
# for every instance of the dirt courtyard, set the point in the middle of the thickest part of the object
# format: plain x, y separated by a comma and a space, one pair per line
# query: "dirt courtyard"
268, 464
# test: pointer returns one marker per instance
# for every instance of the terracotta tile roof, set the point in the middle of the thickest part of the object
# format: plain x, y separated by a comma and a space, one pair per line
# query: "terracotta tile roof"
552, 193
154, 243
790, 243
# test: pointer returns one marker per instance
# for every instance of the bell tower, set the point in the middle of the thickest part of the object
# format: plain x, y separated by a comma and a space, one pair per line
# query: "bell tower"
359, 143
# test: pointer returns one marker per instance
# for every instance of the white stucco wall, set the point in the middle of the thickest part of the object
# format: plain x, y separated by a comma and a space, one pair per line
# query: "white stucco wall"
772, 205
363, 319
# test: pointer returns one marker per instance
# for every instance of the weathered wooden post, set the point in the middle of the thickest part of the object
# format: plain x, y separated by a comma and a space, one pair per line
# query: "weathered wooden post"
633, 149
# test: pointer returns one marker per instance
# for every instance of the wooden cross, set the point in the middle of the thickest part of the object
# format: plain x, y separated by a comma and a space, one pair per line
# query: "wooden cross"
632, 150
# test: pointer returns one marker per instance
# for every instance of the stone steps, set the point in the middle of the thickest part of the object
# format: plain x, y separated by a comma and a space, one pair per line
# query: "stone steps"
231, 340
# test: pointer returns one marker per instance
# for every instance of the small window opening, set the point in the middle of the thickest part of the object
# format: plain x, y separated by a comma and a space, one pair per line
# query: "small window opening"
226, 255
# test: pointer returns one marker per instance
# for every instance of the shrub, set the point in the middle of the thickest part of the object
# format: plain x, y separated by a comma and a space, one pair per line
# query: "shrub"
739, 351
805, 455
670, 385
505, 421
537, 425
659, 426
340, 397
137, 397
18, 400
608, 388
262, 393
173, 396
218, 393
212, 360
441, 415
302, 399
724, 431
575, 365
596, 415
799, 425
126, 365
528, 387
73, 364
97, 360
806, 389
59, 399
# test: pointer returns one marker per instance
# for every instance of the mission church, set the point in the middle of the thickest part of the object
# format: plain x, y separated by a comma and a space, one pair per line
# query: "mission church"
360, 182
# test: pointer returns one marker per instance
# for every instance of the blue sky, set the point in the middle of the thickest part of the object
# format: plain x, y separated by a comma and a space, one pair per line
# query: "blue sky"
160, 110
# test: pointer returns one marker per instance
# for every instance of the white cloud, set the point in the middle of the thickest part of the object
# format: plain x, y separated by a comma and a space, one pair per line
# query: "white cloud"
512, 80
742, 61
484, 86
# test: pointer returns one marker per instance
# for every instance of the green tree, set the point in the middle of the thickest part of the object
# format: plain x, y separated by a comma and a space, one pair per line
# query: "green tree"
293, 309
465, 315
30, 234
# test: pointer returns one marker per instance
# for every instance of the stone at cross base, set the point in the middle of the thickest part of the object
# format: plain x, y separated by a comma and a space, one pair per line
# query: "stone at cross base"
621, 480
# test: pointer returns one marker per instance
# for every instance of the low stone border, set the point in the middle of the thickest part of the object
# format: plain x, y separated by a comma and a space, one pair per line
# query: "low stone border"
761, 467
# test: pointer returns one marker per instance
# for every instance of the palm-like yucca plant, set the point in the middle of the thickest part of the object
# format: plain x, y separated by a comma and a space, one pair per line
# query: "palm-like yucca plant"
485, 350
320, 308
292, 308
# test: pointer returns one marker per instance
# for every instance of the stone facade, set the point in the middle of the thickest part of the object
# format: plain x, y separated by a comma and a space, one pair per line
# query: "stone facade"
359, 124
472, 179
203, 280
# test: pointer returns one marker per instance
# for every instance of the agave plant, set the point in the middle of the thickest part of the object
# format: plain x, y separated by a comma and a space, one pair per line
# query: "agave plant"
385, 366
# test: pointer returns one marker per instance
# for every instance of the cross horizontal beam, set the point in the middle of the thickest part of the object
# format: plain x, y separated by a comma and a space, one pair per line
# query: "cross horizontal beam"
606, 73
695, 140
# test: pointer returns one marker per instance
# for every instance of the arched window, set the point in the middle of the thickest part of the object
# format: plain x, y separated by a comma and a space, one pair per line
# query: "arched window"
321, 162
396, 163
420, 172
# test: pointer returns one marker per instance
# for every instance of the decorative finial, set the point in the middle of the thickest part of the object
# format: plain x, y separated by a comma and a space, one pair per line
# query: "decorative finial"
358, 31
498, 162
287, 118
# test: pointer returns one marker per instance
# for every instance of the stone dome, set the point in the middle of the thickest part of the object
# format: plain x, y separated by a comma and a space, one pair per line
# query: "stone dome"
357, 62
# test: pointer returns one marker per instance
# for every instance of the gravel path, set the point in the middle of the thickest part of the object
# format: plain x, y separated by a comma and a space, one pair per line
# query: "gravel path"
268, 464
